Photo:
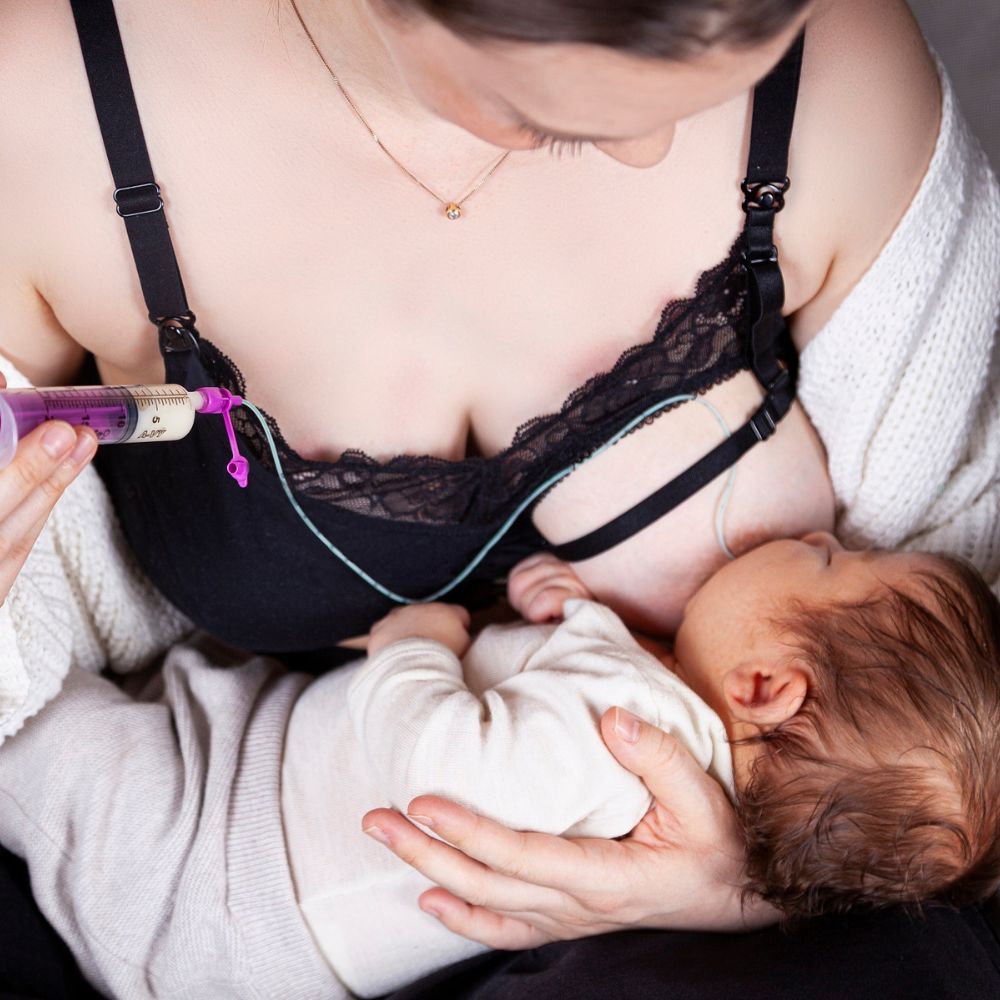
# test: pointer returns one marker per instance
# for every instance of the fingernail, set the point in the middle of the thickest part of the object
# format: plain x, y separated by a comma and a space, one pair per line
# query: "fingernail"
626, 726
422, 820
82, 449
377, 834
434, 913
56, 440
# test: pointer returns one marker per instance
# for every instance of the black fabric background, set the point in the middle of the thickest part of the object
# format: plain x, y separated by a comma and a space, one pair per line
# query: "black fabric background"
889, 956
885, 956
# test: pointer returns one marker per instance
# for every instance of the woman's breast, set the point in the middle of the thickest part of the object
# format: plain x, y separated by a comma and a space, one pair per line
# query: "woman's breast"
781, 489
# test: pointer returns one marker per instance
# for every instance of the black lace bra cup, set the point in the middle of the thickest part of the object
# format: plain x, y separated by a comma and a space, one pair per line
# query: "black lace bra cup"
697, 344
243, 566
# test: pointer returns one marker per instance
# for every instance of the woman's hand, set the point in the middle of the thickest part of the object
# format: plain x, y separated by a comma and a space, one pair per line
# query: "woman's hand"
538, 587
444, 623
46, 461
680, 868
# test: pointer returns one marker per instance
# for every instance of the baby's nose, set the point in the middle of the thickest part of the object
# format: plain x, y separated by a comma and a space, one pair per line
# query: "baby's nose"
822, 539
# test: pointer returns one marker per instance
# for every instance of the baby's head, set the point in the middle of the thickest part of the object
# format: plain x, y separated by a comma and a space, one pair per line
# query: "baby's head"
861, 691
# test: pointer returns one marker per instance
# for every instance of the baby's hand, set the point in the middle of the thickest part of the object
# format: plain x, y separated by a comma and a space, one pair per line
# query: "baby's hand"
538, 587
445, 623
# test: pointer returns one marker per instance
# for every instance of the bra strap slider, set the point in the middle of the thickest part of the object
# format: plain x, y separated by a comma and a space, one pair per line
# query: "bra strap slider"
768, 196
135, 203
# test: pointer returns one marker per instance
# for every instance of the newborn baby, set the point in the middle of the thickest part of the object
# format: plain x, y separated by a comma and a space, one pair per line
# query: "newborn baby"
860, 692
196, 831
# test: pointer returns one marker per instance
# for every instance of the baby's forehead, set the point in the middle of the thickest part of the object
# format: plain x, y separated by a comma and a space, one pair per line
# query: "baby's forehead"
918, 568
879, 573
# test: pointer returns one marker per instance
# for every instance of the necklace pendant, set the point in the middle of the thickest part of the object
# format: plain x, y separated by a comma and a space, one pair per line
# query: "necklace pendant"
453, 211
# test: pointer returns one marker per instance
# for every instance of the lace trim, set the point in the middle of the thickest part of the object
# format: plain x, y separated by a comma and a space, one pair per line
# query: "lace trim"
698, 343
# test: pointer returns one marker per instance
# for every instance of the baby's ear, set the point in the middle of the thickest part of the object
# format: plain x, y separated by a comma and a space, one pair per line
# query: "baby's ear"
766, 694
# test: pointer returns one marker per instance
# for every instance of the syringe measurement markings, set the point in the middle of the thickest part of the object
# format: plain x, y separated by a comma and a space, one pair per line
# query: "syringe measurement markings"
58, 406
148, 399
110, 409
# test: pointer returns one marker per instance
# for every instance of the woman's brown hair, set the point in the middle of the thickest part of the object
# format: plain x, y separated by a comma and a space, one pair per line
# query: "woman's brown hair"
664, 29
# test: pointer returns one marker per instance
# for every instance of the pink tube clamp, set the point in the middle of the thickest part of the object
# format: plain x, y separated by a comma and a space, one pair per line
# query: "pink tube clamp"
218, 400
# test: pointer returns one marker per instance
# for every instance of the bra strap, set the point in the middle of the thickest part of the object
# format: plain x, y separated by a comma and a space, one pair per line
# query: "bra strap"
775, 99
758, 428
136, 196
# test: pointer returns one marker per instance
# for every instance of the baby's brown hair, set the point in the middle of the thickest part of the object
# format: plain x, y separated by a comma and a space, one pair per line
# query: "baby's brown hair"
885, 786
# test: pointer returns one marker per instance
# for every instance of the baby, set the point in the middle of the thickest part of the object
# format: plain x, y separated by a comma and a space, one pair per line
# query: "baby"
196, 831
860, 693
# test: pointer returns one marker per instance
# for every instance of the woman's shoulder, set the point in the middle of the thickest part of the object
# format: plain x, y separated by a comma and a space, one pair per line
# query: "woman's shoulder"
42, 121
55, 186
39, 70
866, 128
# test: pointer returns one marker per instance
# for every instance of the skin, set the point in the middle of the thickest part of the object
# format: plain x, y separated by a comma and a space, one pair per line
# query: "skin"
727, 648
626, 107
425, 355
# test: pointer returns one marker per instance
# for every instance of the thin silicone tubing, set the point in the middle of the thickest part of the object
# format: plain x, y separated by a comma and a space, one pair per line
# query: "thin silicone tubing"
505, 527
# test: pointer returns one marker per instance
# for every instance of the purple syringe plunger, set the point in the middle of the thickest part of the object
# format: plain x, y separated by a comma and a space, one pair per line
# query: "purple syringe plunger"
8, 434
119, 414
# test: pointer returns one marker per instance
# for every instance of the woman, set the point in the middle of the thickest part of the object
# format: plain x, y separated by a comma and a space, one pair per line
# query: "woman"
259, 125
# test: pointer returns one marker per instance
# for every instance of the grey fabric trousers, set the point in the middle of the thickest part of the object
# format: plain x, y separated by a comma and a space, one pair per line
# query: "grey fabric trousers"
150, 822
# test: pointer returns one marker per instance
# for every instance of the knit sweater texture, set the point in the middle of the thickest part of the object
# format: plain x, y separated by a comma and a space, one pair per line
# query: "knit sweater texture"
903, 382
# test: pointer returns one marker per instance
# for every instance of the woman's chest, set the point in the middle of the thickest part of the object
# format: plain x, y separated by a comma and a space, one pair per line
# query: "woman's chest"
362, 318
359, 315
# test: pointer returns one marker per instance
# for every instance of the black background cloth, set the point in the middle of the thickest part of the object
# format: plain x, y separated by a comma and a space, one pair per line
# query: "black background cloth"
889, 956
948, 955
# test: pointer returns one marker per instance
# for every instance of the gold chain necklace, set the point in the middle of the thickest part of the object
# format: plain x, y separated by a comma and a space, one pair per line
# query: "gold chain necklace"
452, 209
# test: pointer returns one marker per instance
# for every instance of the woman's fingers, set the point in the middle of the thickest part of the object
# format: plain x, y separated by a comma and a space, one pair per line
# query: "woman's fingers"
29, 489
457, 870
671, 774
495, 930
46, 462
541, 859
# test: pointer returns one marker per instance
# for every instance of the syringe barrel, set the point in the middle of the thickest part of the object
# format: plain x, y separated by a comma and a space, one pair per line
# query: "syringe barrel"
118, 414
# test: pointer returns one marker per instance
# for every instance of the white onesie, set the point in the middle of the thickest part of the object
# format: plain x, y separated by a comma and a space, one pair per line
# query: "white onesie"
510, 731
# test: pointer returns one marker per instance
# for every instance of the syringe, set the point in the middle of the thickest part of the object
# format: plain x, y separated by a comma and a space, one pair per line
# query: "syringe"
117, 414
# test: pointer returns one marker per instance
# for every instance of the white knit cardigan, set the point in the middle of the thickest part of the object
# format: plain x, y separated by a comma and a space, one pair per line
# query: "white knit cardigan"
903, 385
903, 382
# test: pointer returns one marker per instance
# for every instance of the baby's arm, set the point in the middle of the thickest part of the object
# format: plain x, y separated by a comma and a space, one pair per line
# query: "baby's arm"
526, 751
